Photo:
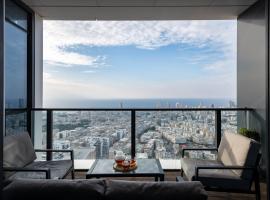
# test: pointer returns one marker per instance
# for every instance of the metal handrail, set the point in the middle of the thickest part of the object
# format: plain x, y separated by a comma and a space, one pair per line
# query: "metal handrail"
129, 109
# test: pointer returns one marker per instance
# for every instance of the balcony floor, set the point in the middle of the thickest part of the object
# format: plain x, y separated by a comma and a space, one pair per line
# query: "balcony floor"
170, 176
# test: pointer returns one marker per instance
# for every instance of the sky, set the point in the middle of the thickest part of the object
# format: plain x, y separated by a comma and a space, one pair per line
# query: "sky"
139, 59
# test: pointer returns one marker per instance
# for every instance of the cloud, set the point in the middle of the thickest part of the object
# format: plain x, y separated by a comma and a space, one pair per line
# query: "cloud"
60, 89
143, 34
89, 71
221, 66
212, 45
68, 59
56, 88
59, 35
46, 75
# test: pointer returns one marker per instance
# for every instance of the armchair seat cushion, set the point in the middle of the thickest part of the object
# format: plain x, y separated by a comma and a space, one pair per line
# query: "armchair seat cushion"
189, 165
58, 170
226, 179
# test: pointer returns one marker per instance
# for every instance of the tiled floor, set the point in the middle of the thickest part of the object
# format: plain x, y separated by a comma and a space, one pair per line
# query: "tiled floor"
170, 176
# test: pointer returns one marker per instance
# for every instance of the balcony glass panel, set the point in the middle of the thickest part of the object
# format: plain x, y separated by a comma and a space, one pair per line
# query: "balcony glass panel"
15, 122
163, 134
232, 121
92, 134
229, 121
40, 130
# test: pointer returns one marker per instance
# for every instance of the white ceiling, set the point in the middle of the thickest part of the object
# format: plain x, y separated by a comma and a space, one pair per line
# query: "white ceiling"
139, 9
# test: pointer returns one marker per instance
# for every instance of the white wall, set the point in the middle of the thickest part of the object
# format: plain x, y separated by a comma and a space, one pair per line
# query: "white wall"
38, 61
38, 102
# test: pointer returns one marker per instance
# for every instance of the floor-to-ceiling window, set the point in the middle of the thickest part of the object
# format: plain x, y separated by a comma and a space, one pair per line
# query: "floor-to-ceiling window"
17, 66
170, 64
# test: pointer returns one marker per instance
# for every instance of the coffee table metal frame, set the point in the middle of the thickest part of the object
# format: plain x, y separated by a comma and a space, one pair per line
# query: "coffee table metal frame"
158, 176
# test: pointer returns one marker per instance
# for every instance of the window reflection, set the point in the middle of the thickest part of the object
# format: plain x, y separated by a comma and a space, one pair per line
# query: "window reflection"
16, 40
15, 14
15, 66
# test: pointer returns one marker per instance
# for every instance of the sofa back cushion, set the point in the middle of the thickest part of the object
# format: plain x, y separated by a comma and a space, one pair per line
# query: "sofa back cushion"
18, 150
131, 190
235, 149
45, 189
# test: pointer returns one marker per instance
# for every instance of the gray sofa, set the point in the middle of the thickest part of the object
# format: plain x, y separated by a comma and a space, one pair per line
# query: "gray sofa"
20, 160
98, 189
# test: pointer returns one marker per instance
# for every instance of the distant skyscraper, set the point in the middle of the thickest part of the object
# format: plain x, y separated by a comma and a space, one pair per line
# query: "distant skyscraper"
105, 148
79, 114
91, 153
232, 104
102, 148
21, 103
98, 149
121, 104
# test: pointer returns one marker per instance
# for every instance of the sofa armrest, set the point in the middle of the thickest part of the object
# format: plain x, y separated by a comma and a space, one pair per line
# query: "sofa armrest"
47, 171
197, 149
58, 150
232, 167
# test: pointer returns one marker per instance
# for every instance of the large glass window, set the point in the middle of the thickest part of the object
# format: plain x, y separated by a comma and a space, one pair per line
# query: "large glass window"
161, 64
16, 67
16, 14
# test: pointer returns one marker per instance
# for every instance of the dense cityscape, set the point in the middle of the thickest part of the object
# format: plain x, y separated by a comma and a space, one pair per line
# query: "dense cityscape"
159, 134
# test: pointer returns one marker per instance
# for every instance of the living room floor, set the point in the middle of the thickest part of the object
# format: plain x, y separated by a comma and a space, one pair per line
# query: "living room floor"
170, 176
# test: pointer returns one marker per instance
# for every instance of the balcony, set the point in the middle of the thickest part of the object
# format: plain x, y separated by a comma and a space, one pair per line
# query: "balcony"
161, 133
141, 133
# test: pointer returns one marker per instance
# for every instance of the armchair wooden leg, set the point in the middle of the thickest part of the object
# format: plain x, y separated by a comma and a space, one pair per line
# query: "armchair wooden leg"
182, 172
72, 174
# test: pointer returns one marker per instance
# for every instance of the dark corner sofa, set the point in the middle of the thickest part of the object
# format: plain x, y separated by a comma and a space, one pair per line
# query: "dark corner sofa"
99, 189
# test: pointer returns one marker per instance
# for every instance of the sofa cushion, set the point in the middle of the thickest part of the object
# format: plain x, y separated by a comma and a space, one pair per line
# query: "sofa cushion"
233, 150
18, 150
58, 170
54, 189
189, 165
123, 190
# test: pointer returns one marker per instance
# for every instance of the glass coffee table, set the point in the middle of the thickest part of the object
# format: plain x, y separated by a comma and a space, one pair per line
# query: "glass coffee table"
145, 168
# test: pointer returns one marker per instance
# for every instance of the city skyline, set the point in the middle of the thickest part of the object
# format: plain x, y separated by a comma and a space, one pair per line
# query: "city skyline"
160, 135
139, 60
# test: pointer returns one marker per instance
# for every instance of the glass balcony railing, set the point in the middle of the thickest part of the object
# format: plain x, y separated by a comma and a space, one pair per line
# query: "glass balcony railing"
143, 133
16, 121
92, 135
163, 134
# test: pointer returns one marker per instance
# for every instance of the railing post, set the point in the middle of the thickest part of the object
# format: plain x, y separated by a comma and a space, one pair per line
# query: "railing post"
49, 133
247, 118
133, 133
29, 122
2, 91
218, 126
